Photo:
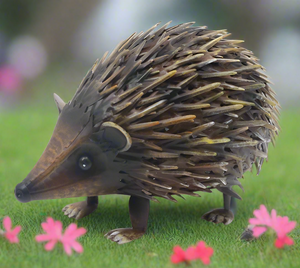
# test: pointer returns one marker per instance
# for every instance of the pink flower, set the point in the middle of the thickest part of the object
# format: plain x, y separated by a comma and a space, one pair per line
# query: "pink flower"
192, 253
281, 225
10, 234
53, 230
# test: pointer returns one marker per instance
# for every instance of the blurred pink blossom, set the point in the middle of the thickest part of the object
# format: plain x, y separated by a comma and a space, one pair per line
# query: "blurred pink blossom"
281, 225
53, 230
178, 256
10, 234
10, 79
192, 253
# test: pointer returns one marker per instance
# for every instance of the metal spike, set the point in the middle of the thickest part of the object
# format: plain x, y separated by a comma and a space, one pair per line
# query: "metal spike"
234, 132
202, 64
140, 126
183, 61
207, 141
151, 99
233, 101
195, 92
202, 128
109, 90
210, 44
127, 93
144, 112
196, 153
217, 74
239, 144
59, 102
175, 120
159, 81
187, 81
223, 109
193, 106
155, 135
153, 146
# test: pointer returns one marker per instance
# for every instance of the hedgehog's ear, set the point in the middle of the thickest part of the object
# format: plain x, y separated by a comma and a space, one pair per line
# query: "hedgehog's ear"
59, 102
116, 135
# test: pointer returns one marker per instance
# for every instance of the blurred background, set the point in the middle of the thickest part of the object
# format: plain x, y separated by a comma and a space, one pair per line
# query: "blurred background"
48, 46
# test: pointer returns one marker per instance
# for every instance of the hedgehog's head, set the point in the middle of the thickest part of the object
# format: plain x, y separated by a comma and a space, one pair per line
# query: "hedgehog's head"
77, 161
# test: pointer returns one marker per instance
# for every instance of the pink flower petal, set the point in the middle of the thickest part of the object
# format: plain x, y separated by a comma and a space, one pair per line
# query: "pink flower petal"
16, 231
290, 226
42, 238
204, 253
70, 229
50, 245
190, 253
255, 221
258, 231
205, 260
283, 226
67, 248
77, 247
273, 214
7, 223
11, 238
261, 213
281, 242
289, 241
76, 233
262, 216
178, 256
201, 245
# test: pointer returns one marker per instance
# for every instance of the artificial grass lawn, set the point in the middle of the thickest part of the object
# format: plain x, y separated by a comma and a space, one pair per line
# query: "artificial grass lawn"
23, 137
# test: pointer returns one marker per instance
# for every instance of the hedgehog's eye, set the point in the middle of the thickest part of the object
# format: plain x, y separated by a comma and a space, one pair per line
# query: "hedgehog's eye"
85, 163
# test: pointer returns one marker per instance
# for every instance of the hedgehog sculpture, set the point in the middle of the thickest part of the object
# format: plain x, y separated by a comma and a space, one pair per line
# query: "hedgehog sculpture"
168, 113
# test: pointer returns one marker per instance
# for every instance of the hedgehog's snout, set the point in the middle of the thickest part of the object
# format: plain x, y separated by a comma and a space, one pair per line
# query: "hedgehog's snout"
22, 194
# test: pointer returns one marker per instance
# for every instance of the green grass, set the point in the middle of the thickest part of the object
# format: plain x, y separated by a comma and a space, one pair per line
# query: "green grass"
23, 137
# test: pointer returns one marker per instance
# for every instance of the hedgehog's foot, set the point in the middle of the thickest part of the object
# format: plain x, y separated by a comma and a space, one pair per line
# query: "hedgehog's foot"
219, 215
81, 209
222, 215
139, 212
124, 235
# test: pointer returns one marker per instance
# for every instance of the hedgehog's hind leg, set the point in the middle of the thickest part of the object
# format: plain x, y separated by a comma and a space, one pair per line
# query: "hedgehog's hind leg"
139, 211
81, 209
222, 215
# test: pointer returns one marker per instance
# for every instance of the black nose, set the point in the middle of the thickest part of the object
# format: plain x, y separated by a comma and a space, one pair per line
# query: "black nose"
22, 193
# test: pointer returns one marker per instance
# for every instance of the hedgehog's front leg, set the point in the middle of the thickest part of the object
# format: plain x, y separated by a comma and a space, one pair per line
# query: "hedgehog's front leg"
81, 209
139, 211
222, 215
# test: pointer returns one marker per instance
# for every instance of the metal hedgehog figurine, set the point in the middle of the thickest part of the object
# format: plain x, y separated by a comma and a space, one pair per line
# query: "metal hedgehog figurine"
169, 112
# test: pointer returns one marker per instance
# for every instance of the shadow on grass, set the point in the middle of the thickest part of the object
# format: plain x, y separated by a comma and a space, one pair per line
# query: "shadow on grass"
165, 217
